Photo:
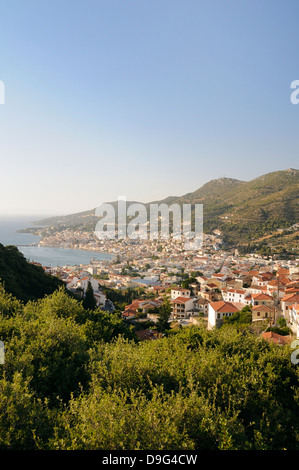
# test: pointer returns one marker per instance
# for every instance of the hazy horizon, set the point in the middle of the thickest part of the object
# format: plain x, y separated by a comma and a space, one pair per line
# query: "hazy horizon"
35, 217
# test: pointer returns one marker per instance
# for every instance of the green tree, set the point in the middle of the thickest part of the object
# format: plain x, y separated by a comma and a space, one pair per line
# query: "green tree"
89, 301
244, 316
25, 423
224, 389
24, 280
164, 313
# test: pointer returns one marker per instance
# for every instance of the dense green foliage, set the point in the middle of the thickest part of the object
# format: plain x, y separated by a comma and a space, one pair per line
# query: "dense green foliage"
24, 280
76, 379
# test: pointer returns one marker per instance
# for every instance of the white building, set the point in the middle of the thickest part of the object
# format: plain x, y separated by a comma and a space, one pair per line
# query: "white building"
294, 318
181, 306
236, 295
98, 294
287, 303
180, 292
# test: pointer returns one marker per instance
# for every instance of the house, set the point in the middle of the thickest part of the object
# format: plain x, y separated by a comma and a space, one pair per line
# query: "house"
255, 289
100, 298
156, 289
148, 335
263, 312
129, 314
181, 306
218, 310
83, 283
148, 305
71, 282
169, 280
142, 306
210, 292
235, 295
98, 294
294, 318
145, 281
283, 272
219, 279
272, 337
287, 302
243, 280
203, 280
261, 299
201, 304
74, 284
276, 288
262, 279
180, 292
292, 287
195, 288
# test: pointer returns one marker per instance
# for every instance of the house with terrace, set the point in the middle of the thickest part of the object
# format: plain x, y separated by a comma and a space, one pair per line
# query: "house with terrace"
211, 292
287, 303
181, 306
201, 305
263, 312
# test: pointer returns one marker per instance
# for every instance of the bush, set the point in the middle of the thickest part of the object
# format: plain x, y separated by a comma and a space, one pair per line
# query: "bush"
76, 379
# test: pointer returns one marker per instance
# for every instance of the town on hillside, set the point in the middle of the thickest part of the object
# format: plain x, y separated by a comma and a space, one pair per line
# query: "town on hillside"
207, 285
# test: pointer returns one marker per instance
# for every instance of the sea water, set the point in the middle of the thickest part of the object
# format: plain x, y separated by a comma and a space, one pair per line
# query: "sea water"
27, 244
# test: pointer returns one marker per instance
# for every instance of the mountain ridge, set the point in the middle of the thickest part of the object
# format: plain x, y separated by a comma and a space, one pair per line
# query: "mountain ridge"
242, 210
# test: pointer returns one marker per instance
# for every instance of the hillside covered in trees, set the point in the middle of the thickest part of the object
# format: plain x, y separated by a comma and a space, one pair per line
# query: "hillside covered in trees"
244, 211
25, 280
75, 379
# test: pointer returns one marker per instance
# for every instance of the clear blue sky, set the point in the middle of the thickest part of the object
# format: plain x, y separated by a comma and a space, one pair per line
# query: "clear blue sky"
143, 98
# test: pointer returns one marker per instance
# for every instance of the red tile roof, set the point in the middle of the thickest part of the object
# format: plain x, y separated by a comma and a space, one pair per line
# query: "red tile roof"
263, 307
261, 297
290, 298
181, 300
224, 307
276, 338
148, 334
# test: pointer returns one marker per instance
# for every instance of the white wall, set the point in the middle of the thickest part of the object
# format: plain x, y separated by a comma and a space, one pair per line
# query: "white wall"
211, 316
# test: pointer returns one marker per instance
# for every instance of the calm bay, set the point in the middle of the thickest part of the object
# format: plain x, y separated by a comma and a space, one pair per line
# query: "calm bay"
47, 256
